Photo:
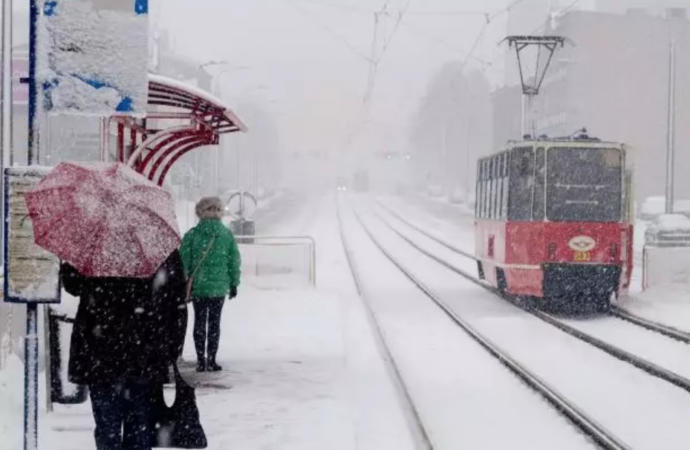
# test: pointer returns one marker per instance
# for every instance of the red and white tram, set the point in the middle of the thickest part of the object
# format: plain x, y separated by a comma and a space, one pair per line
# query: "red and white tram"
553, 220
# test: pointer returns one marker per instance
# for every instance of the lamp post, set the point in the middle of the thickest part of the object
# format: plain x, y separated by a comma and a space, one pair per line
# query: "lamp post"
671, 137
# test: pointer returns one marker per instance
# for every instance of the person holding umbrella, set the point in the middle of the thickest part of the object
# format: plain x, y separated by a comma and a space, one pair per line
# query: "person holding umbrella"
212, 263
117, 236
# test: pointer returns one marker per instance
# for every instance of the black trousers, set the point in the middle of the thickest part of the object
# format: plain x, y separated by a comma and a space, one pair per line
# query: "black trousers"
121, 412
207, 313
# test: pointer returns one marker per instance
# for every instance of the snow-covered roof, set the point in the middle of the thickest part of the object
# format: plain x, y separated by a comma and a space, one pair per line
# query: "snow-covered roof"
669, 230
191, 89
170, 92
672, 222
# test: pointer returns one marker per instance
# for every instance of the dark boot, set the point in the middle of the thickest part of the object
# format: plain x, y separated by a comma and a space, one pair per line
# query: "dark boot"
212, 366
201, 364
215, 309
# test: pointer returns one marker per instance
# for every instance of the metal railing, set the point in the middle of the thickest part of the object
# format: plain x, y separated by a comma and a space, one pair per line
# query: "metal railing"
279, 241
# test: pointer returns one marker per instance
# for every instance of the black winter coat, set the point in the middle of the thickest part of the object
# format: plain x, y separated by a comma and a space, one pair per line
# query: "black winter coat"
126, 329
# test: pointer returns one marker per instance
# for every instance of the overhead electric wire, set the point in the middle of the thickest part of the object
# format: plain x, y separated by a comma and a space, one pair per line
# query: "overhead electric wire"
401, 16
504, 10
330, 31
342, 6
443, 42
374, 61
378, 58
558, 13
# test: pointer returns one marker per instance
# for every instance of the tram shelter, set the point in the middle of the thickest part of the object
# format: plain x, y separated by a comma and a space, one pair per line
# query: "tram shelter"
180, 118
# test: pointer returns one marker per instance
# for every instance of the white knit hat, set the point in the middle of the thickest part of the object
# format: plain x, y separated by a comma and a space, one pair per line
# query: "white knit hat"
209, 208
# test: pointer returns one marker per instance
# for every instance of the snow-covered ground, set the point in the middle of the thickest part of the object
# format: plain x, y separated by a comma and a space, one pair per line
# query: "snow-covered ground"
639, 409
301, 372
466, 399
667, 305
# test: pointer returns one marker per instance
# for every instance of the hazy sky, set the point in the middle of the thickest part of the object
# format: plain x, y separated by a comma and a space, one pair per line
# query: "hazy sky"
306, 61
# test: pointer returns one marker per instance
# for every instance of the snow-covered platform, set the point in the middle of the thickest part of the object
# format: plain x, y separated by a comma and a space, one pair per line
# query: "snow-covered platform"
300, 372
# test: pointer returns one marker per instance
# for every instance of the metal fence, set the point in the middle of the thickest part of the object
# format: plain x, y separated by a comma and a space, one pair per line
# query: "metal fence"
278, 257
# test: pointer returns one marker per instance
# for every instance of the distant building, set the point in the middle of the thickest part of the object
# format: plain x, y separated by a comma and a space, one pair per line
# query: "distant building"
614, 81
534, 17
650, 7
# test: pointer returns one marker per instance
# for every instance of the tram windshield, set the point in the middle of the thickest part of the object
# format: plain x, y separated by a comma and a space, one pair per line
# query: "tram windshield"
584, 184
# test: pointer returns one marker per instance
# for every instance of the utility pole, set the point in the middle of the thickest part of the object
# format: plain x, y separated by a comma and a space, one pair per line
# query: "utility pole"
671, 137
6, 101
468, 122
531, 86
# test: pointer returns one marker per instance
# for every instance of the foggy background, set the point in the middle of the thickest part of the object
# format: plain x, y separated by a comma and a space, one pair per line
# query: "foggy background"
332, 87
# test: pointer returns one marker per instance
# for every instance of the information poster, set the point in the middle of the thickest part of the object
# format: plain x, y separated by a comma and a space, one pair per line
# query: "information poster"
31, 273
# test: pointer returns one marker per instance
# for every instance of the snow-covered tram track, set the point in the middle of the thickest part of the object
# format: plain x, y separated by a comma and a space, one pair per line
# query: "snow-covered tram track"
601, 385
418, 431
599, 435
629, 356
616, 311
657, 327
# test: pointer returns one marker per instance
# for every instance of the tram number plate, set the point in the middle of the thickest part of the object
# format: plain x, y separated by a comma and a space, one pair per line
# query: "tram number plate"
582, 256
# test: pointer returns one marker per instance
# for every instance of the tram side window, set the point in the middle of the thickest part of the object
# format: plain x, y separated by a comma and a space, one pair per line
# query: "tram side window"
480, 194
494, 206
487, 187
497, 186
477, 188
485, 206
505, 180
492, 190
521, 184
539, 185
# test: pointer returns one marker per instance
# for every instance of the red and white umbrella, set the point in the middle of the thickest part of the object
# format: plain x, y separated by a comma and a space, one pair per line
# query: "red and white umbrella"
105, 219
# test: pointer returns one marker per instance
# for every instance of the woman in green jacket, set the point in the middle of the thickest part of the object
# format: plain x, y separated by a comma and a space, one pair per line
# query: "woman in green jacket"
212, 260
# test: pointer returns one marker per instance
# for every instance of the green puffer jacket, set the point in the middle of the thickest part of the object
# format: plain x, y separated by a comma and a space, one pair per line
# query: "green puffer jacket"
221, 269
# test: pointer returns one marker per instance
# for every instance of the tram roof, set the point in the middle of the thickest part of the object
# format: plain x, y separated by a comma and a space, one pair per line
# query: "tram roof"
564, 142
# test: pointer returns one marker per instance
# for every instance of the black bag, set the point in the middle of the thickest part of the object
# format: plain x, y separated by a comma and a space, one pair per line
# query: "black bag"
177, 426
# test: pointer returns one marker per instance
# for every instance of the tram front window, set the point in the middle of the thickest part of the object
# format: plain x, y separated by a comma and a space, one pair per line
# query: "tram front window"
584, 184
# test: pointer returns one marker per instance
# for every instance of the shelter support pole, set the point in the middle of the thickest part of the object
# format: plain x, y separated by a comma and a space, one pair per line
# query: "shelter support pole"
528, 125
120, 142
6, 101
46, 358
31, 343
33, 127
31, 378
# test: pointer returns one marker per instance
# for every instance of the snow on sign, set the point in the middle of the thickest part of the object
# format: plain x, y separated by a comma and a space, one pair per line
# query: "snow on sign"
93, 56
31, 273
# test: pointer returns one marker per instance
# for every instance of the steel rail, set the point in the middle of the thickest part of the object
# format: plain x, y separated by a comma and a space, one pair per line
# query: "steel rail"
616, 311
411, 413
618, 353
590, 427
